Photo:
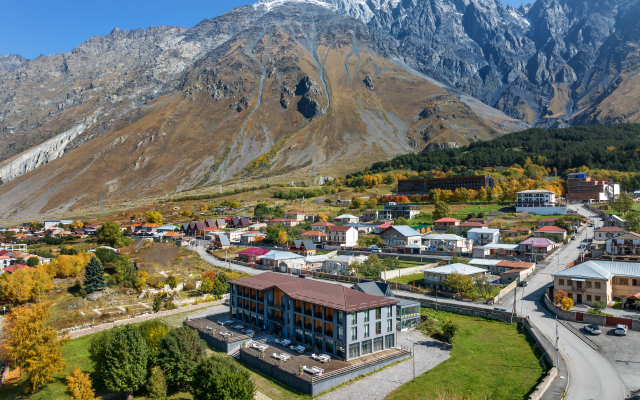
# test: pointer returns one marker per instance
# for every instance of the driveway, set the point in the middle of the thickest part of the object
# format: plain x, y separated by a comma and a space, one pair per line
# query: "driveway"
621, 352
378, 385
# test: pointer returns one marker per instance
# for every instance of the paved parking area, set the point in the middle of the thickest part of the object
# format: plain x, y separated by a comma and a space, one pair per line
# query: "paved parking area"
378, 385
621, 351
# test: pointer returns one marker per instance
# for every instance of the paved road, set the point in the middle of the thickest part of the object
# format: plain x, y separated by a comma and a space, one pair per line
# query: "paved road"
591, 375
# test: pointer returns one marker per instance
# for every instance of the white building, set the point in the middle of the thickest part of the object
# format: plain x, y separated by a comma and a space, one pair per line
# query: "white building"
539, 201
343, 236
482, 236
447, 242
340, 264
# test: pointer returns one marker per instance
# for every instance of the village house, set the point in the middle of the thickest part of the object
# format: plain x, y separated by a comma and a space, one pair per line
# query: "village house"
343, 236
303, 247
470, 225
378, 229
341, 265
547, 221
551, 230
249, 238
597, 280
496, 250
362, 228
444, 224
283, 261
401, 235
482, 236
347, 218
447, 242
283, 221
322, 226
251, 255
516, 231
298, 216
614, 220
624, 244
240, 222
434, 277
221, 242
317, 237
608, 232
535, 247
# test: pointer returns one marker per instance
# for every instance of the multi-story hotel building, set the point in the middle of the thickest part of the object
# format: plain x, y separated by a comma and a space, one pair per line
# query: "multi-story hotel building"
410, 187
332, 318
581, 187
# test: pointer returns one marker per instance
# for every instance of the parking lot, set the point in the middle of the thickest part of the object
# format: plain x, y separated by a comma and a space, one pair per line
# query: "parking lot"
621, 351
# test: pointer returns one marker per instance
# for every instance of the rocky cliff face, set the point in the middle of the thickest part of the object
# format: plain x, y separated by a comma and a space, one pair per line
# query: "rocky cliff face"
10, 62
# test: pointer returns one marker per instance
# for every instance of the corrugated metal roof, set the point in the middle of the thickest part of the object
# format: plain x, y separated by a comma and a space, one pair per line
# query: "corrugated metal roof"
444, 236
587, 270
457, 268
484, 262
280, 255
501, 246
483, 230
404, 230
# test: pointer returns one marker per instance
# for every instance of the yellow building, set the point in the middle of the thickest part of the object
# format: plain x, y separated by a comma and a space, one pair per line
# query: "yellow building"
598, 280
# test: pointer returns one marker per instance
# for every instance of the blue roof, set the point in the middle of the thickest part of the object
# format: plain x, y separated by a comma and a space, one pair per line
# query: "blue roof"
601, 270
405, 230
483, 230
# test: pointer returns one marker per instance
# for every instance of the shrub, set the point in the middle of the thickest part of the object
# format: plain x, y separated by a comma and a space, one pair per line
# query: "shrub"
567, 303
219, 377
157, 386
189, 286
450, 330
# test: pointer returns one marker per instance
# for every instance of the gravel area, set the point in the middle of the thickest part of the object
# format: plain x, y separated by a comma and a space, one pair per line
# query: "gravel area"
378, 385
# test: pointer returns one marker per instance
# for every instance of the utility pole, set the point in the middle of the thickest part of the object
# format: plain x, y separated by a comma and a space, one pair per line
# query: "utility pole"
515, 299
522, 303
557, 344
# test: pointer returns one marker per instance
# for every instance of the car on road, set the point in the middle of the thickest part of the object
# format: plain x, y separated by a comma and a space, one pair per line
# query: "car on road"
227, 302
499, 309
374, 249
621, 330
590, 225
523, 284
515, 260
592, 329
573, 237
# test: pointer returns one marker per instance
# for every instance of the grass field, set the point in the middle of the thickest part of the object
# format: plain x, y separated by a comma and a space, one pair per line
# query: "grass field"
488, 358
410, 278
76, 353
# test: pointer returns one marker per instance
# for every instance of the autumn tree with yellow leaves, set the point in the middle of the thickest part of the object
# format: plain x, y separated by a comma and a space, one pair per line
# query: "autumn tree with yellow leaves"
79, 385
31, 345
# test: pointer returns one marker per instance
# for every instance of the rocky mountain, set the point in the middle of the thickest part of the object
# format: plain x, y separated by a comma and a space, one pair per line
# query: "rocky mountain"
257, 91
10, 62
299, 85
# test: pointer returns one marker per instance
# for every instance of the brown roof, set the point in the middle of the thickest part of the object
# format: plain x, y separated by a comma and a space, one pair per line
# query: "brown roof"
517, 229
282, 220
322, 224
314, 233
515, 264
551, 228
321, 293
481, 220
471, 224
548, 219
610, 229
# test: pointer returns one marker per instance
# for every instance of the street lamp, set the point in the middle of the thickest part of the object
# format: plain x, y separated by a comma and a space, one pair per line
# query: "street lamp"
414, 358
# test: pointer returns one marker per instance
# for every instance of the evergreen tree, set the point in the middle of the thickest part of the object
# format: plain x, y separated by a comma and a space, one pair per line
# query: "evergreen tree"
178, 354
94, 276
125, 363
220, 378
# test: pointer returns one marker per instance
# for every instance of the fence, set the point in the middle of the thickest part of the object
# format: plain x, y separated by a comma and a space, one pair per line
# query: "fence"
504, 291
405, 271
587, 318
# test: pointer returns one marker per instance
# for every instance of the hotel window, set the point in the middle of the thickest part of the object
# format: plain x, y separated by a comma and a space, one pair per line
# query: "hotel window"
377, 344
597, 298
378, 328
366, 347
340, 317
354, 333
588, 297
635, 282
561, 282
378, 312
366, 315
588, 284
389, 311
597, 285
366, 331
389, 325
389, 341
354, 318
340, 333
354, 350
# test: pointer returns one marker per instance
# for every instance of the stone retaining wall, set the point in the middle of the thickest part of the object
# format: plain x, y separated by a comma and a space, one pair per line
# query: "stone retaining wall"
389, 275
141, 318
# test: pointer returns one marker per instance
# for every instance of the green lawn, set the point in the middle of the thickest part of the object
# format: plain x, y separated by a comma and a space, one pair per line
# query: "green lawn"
410, 278
485, 208
489, 358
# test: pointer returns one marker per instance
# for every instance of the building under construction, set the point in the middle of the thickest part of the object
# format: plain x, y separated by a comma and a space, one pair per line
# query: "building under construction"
410, 187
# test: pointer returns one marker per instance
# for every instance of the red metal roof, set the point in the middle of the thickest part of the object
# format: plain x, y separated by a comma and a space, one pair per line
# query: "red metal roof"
448, 220
321, 293
254, 251
384, 226
610, 229
551, 228
314, 233
17, 266
322, 224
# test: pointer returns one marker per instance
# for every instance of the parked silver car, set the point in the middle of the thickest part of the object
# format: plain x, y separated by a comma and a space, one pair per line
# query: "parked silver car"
593, 329
621, 330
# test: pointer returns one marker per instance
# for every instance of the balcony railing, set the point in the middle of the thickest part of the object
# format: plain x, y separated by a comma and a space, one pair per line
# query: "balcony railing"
577, 289
276, 306
318, 329
277, 320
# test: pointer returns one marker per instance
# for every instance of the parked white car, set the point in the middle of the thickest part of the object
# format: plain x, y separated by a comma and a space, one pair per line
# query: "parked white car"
621, 330
593, 329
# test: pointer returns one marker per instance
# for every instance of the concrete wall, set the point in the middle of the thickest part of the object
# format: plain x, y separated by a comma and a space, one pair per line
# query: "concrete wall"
504, 292
543, 210
568, 315
388, 275
303, 385
594, 319
404, 257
